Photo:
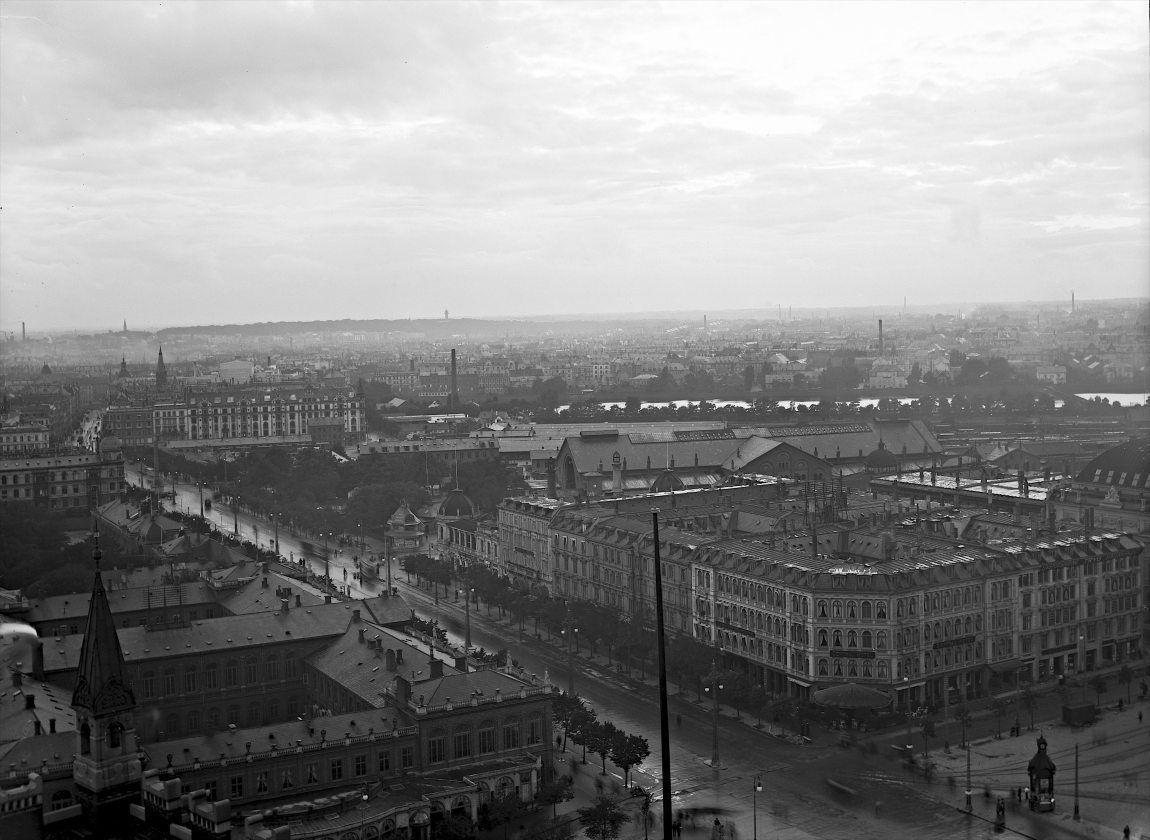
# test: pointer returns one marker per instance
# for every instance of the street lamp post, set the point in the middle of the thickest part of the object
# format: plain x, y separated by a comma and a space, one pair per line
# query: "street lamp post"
967, 744
276, 523
714, 688
572, 636
467, 612
755, 807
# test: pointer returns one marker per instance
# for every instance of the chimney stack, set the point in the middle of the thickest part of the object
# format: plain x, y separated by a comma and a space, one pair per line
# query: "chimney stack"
454, 384
436, 666
880, 336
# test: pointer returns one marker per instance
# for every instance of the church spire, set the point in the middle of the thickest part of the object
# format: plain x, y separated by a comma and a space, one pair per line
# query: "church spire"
161, 371
102, 686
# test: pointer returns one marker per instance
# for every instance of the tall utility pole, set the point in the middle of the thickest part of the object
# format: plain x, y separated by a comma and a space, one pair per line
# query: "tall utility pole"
967, 744
714, 688
1076, 815
664, 723
387, 559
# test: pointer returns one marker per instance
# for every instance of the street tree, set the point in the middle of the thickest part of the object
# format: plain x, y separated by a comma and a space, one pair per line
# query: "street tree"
629, 751
603, 820
559, 789
582, 728
565, 709
602, 738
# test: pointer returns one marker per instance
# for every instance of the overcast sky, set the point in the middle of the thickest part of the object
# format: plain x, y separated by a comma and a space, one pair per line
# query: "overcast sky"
181, 162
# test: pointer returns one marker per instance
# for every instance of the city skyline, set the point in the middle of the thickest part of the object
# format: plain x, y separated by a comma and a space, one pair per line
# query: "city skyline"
240, 163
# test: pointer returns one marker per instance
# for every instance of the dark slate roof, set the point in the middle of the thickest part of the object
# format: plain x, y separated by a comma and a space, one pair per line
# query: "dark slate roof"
457, 504
102, 686
1127, 465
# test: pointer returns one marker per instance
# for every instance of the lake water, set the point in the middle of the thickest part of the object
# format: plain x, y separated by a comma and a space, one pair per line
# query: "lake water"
1126, 400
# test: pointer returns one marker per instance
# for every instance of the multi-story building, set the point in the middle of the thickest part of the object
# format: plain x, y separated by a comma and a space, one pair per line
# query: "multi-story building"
312, 707
64, 481
927, 617
525, 540
132, 425
24, 439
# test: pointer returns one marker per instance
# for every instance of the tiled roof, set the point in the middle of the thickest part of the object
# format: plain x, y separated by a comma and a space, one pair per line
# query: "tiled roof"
226, 633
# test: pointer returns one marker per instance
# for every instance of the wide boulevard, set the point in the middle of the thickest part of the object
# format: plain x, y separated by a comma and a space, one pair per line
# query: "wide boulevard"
797, 800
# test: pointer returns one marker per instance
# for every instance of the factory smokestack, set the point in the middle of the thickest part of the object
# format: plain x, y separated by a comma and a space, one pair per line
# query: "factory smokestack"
880, 336
454, 384
23, 332
1072, 301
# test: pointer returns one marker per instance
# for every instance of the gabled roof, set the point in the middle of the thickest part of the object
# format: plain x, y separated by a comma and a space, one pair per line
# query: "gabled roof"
102, 686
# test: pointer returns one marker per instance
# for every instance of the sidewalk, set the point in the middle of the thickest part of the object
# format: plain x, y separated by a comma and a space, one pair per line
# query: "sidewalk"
1113, 785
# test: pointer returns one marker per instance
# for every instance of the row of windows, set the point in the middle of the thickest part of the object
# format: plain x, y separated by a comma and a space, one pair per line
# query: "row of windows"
209, 677
213, 719
315, 772
851, 609
461, 739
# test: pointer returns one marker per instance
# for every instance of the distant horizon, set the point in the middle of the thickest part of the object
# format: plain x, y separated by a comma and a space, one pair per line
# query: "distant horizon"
768, 314
248, 162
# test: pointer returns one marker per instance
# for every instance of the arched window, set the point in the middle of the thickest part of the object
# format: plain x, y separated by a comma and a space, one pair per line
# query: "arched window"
852, 639
852, 612
85, 738
853, 668
838, 667
926, 632
837, 609
881, 640
881, 609
172, 725
213, 718
824, 668
822, 638
169, 681
968, 625
250, 671
822, 609
272, 668
193, 722
838, 638
115, 734
866, 609
882, 669
866, 640
231, 672
867, 668
461, 742
190, 679
211, 675
149, 684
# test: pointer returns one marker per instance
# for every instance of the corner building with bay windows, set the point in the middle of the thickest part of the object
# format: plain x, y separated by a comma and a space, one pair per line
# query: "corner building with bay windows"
928, 618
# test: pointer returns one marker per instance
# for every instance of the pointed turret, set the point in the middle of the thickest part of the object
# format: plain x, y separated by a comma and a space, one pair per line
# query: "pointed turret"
123, 367
102, 686
107, 767
161, 371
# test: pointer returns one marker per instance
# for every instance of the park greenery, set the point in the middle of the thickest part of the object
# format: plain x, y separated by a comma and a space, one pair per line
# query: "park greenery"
39, 556
315, 491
